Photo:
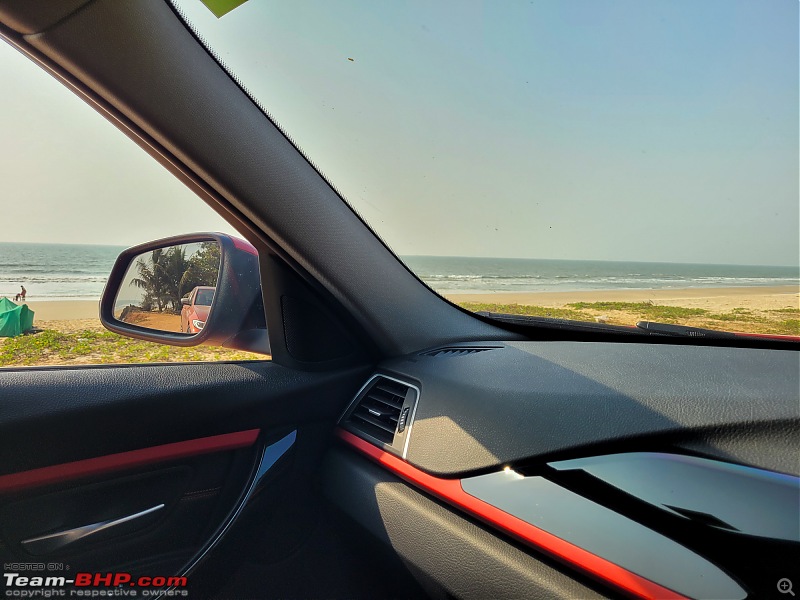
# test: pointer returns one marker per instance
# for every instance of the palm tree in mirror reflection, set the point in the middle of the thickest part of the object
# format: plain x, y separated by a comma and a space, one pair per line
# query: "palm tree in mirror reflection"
160, 276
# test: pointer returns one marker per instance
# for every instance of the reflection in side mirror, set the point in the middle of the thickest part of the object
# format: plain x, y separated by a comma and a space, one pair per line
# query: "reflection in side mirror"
187, 290
170, 289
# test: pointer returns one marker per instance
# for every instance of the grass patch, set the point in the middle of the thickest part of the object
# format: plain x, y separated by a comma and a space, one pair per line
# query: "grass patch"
747, 317
790, 326
528, 310
786, 311
645, 310
628, 313
52, 347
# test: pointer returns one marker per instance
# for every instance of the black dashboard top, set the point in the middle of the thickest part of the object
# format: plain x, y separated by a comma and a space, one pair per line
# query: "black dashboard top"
523, 402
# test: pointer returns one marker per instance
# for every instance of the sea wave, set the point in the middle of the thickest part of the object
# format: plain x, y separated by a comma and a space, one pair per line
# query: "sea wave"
52, 279
567, 283
80, 272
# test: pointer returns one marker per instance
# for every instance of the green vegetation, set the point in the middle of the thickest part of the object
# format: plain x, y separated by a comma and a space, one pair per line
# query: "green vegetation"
97, 346
102, 347
527, 310
787, 311
792, 325
740, 315
628, 313
647, 310
166, 275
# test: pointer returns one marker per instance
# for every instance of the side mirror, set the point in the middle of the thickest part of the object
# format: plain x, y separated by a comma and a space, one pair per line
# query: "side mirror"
147, 294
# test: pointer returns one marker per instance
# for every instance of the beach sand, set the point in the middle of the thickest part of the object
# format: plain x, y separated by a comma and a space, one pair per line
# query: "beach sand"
58, 310
765, 310
712, 299
745, 309
67, 316
74, 315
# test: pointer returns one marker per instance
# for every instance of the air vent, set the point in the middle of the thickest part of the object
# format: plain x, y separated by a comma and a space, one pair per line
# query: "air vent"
455, 351
378, 411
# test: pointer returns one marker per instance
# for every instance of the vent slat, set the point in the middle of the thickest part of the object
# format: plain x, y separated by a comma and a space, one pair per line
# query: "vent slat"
455, 351
386, 393
376, 422
395, 390
378, 410
393, 401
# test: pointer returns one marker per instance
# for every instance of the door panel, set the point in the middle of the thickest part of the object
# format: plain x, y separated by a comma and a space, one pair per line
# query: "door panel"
110, 463
181, 503
145, 467
89, 412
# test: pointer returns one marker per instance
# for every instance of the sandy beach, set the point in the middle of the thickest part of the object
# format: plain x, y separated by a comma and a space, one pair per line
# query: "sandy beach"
713, 299
59, 310
70, 332
67, 315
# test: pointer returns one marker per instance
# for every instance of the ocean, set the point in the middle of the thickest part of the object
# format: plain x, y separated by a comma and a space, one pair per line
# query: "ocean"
79, 272
55, 271
476, 275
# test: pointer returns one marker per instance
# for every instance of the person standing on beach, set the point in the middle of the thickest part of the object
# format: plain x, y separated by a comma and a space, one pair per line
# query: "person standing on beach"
21, 295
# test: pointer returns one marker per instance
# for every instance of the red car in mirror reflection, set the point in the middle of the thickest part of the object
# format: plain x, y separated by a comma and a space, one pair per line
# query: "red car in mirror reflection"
194, 311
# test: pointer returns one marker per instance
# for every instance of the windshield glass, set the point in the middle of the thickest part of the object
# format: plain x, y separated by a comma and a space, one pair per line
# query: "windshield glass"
610, 161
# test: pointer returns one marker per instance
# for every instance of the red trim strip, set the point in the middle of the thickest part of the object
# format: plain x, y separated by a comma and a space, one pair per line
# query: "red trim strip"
126, 460
450, 491
770, 336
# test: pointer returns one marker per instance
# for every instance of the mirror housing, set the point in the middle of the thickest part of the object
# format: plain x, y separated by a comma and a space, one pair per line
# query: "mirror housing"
236, 319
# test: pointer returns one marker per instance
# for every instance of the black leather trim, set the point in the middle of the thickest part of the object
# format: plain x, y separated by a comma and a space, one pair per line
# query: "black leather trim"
52, 416
532, 401
33, 16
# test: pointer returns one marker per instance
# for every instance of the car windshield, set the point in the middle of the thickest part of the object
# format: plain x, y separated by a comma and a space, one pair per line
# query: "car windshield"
612, 161
204, 297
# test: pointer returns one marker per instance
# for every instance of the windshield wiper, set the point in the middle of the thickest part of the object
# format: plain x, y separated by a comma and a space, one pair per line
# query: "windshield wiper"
683, 330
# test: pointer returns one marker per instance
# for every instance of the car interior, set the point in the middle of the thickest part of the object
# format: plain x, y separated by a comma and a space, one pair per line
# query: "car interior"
395, 445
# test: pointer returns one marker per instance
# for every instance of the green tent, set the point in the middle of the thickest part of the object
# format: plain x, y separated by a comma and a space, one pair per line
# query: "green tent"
14, 318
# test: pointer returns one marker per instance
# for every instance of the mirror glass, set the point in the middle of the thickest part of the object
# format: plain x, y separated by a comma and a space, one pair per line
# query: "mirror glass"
170, 289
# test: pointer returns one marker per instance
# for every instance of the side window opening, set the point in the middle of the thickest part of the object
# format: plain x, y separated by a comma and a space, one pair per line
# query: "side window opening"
75, 193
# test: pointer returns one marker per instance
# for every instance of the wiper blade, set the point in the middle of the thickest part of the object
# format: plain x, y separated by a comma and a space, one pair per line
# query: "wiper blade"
683, 330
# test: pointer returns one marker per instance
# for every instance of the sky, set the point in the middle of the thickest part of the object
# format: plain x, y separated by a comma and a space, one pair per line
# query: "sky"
69, 176
606, 130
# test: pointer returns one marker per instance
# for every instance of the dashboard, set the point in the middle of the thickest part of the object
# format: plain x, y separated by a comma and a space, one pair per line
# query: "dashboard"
655, 471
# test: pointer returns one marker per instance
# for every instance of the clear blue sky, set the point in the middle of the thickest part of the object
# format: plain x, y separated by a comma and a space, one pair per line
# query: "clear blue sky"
619, 130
